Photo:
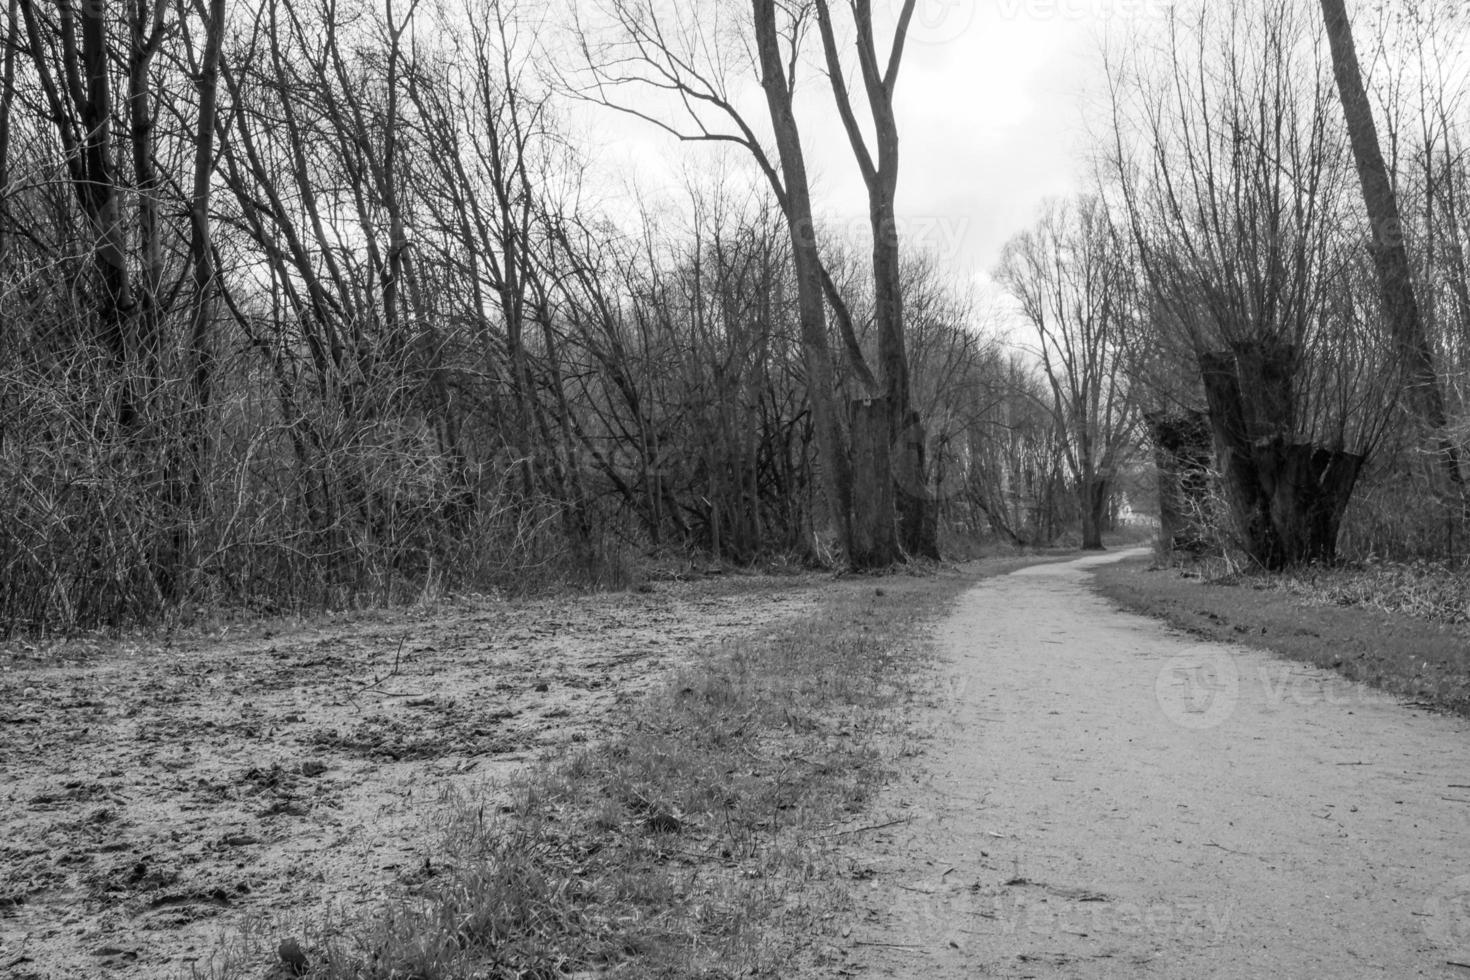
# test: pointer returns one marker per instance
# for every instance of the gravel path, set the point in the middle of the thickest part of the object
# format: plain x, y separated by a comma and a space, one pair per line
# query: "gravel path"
1104, 797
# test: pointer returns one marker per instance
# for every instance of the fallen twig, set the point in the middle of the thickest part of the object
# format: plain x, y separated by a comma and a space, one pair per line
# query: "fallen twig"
397, 658
917, 891
857, 830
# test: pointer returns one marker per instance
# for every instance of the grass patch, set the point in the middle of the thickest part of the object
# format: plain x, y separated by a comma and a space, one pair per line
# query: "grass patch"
1436, 591
1390, 627
698, 839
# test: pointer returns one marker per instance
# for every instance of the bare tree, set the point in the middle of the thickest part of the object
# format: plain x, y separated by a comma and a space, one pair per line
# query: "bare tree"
1075, 287
201, 244
72, 65
1235, 206
680, 53
860, 504
878, 165
1401, 307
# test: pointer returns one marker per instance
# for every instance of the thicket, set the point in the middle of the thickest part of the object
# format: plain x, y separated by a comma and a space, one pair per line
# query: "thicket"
323, 303
301, 308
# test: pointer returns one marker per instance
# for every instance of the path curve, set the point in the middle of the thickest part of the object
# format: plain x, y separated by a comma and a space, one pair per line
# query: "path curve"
1105, 797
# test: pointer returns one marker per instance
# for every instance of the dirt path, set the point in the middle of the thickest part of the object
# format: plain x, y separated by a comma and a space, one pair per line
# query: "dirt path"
1106, 798
156, 795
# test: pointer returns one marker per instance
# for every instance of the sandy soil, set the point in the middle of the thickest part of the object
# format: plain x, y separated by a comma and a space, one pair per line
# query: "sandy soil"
153, 796
1106, 798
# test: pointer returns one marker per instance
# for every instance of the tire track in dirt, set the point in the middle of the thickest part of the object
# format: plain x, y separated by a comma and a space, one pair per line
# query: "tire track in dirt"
1104, 797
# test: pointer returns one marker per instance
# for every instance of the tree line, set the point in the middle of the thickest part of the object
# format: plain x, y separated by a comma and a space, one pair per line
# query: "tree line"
317, 303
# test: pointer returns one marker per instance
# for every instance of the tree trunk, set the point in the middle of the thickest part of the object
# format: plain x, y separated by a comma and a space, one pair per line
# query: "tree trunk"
146, 34
1095, 496
836, 467
1390, 256
1286, 496
84, 118
874, 534
917, 508
13, 44
201, 248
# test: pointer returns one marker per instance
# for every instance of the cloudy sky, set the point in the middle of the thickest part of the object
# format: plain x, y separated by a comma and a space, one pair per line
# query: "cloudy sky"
995, 102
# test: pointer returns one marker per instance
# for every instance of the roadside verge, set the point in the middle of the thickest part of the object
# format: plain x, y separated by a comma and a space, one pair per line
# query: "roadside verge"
1426, 663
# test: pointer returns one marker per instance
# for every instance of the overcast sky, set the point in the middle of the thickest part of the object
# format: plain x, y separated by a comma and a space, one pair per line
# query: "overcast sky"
992, 106
994, 103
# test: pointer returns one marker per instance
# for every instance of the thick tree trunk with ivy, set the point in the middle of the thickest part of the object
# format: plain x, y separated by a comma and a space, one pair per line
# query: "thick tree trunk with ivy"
1286, 496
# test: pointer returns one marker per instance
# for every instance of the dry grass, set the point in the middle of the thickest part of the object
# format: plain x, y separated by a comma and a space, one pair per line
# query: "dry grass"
1401, 628
694, 841
1436, 591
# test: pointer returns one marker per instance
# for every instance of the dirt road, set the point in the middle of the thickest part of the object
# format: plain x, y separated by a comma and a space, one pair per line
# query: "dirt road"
1106, 798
